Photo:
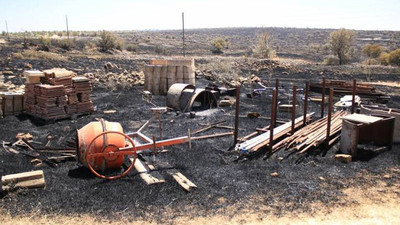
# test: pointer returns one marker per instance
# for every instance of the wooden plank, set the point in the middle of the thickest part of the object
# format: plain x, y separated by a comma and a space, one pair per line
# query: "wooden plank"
183, 181
144, 173
32, 179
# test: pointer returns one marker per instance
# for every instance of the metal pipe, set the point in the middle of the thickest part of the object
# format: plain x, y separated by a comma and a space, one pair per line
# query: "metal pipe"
328, 129
293, 107
305, 102
323, 97
353, 99
237, 109
273, 117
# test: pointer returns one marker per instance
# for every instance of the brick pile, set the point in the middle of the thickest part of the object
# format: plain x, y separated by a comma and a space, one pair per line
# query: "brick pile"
58, 96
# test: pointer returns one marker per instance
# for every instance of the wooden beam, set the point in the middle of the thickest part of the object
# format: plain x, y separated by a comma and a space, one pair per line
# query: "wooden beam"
30, 180
184, 182
144, 173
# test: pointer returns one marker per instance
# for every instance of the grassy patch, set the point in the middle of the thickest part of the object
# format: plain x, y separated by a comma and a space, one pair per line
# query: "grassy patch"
32, 54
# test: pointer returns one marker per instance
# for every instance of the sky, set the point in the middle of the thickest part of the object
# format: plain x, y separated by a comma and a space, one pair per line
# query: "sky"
49, 15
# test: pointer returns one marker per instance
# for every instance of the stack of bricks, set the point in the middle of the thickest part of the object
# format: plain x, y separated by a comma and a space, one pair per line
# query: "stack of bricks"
59, 94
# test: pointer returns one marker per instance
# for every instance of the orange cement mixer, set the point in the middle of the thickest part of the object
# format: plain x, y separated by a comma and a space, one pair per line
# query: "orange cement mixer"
103, 145
99, 145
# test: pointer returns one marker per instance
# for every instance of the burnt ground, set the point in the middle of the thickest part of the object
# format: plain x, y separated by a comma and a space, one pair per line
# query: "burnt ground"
247, 184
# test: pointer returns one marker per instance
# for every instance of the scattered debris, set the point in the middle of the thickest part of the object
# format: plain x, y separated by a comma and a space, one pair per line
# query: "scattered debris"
365, 91
226, 102
114, 80
26, 136
111, 111
274, 174
29, 180
346, 102
343, 158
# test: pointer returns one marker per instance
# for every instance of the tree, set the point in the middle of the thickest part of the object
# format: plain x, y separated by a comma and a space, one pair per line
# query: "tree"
372, 51
262, 49
218, 44
340, 42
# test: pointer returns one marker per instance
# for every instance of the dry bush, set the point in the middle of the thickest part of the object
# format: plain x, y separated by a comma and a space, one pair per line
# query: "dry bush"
131, 48
33, 54
371, 62
331, 60
218, 45
394, 57
262, 49
44, 44
340, 42
372, 51
65, 44
384, 59
222, 71
109, 41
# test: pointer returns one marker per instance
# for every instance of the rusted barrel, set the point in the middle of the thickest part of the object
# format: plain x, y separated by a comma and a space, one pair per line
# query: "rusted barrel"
174, 95
106, 143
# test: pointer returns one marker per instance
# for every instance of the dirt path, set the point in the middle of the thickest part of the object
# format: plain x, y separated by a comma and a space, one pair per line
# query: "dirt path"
373, 205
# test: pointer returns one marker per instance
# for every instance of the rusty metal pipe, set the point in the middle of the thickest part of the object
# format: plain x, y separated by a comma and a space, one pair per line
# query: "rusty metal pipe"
353, 98
323, 97
273, 117
293, 108
305, 102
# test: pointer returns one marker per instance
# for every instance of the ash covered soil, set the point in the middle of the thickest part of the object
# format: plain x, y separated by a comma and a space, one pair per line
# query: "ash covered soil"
224, 187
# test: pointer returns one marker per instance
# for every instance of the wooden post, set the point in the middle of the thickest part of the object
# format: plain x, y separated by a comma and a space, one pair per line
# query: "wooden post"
237, 109
8, 36
353, 99
323, 97
183, 34
305, 102
66, 20
293, 107
273, 118
328, 126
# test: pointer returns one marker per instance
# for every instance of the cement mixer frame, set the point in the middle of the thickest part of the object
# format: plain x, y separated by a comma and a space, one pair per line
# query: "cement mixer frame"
110, 151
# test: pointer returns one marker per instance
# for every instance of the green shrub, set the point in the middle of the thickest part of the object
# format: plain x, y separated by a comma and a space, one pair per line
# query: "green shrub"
219, 44
108, 41
372, 51
263, 49
394, 57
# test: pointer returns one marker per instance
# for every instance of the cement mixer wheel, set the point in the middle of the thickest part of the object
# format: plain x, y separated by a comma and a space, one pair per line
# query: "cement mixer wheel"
109, 154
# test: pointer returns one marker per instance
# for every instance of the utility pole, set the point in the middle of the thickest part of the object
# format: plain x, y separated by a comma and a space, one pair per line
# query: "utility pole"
8, 36
183, 33
66, 20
